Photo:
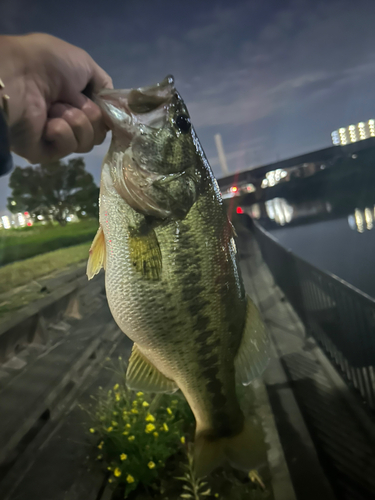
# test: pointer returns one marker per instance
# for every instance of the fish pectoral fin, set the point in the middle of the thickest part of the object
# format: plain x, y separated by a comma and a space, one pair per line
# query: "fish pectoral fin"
253, 354
96, 254
145, 254
142, 375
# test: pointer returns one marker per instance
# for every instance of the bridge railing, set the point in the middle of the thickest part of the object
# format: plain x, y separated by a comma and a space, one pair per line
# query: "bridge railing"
340, 317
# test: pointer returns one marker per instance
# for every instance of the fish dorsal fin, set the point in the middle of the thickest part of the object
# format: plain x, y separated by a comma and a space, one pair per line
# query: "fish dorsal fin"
253, 354
145, 254
143, 376
96, 255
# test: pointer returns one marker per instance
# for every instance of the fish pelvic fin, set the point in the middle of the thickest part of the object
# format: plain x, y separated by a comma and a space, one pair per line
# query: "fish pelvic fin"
96, 254
244, 451
145, 254
142, 375
253, 354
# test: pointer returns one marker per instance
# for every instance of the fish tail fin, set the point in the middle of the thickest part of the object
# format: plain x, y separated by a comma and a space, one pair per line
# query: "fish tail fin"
244, 451
209, 453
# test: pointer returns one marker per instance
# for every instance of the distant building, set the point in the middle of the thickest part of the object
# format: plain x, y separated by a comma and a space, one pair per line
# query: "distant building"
9, 220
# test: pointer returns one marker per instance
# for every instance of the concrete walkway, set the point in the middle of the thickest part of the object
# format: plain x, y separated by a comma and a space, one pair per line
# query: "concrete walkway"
326, 438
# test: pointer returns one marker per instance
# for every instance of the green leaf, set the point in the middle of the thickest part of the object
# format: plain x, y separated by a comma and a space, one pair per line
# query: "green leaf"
186, 487
206, 493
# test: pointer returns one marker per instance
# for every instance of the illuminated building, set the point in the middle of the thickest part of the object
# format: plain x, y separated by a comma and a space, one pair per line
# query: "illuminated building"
353, 133
9, 220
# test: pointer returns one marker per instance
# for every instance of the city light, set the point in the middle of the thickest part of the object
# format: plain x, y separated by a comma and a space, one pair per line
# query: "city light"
273, 177
5, 221
353, 133
15, 220
239, 210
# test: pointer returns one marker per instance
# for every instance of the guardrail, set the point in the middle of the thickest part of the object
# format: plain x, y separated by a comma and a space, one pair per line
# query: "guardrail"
340, 317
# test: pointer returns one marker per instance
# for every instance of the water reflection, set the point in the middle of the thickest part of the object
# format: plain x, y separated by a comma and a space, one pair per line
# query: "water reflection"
362, 219
279, 210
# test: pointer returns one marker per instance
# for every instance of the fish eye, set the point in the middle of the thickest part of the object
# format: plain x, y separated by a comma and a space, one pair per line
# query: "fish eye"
183, 123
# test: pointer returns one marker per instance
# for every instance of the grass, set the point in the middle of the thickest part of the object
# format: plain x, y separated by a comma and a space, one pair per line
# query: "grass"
20, 244
19, 273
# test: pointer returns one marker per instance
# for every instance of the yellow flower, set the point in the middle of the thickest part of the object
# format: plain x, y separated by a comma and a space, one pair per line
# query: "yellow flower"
117, 396
165, 427
156, 434
216, 495
149, 428
128, 426
99, 457
115, 387
134, 410
135, 402
125, 433
114, 423
145, 404
115, 413
150, 418
151, 465
131, 438
139, 394
110, 480
117, 472
110, 429
182, 439
130, 479
123, 456
169, 411
100, 445
109, 468
92, 430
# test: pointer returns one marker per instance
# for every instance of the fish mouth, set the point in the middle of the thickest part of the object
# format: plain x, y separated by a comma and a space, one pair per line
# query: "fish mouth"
128, 108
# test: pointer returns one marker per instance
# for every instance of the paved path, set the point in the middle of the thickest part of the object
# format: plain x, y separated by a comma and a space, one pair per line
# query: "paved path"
327, 439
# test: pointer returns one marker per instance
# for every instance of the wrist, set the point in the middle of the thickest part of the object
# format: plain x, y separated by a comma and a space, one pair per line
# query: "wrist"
12, 74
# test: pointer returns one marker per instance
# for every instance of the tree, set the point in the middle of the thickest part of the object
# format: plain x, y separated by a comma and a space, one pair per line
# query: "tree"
54, 190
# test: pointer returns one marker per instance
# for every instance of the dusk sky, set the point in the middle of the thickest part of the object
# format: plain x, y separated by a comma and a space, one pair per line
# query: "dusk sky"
273, 77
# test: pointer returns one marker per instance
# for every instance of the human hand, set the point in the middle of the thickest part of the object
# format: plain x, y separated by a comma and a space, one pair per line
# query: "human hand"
49, 116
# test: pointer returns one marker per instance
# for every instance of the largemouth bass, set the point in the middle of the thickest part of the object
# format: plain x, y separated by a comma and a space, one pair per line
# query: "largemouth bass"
172, 277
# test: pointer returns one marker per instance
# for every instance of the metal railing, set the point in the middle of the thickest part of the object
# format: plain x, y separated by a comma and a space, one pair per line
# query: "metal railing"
340, 317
